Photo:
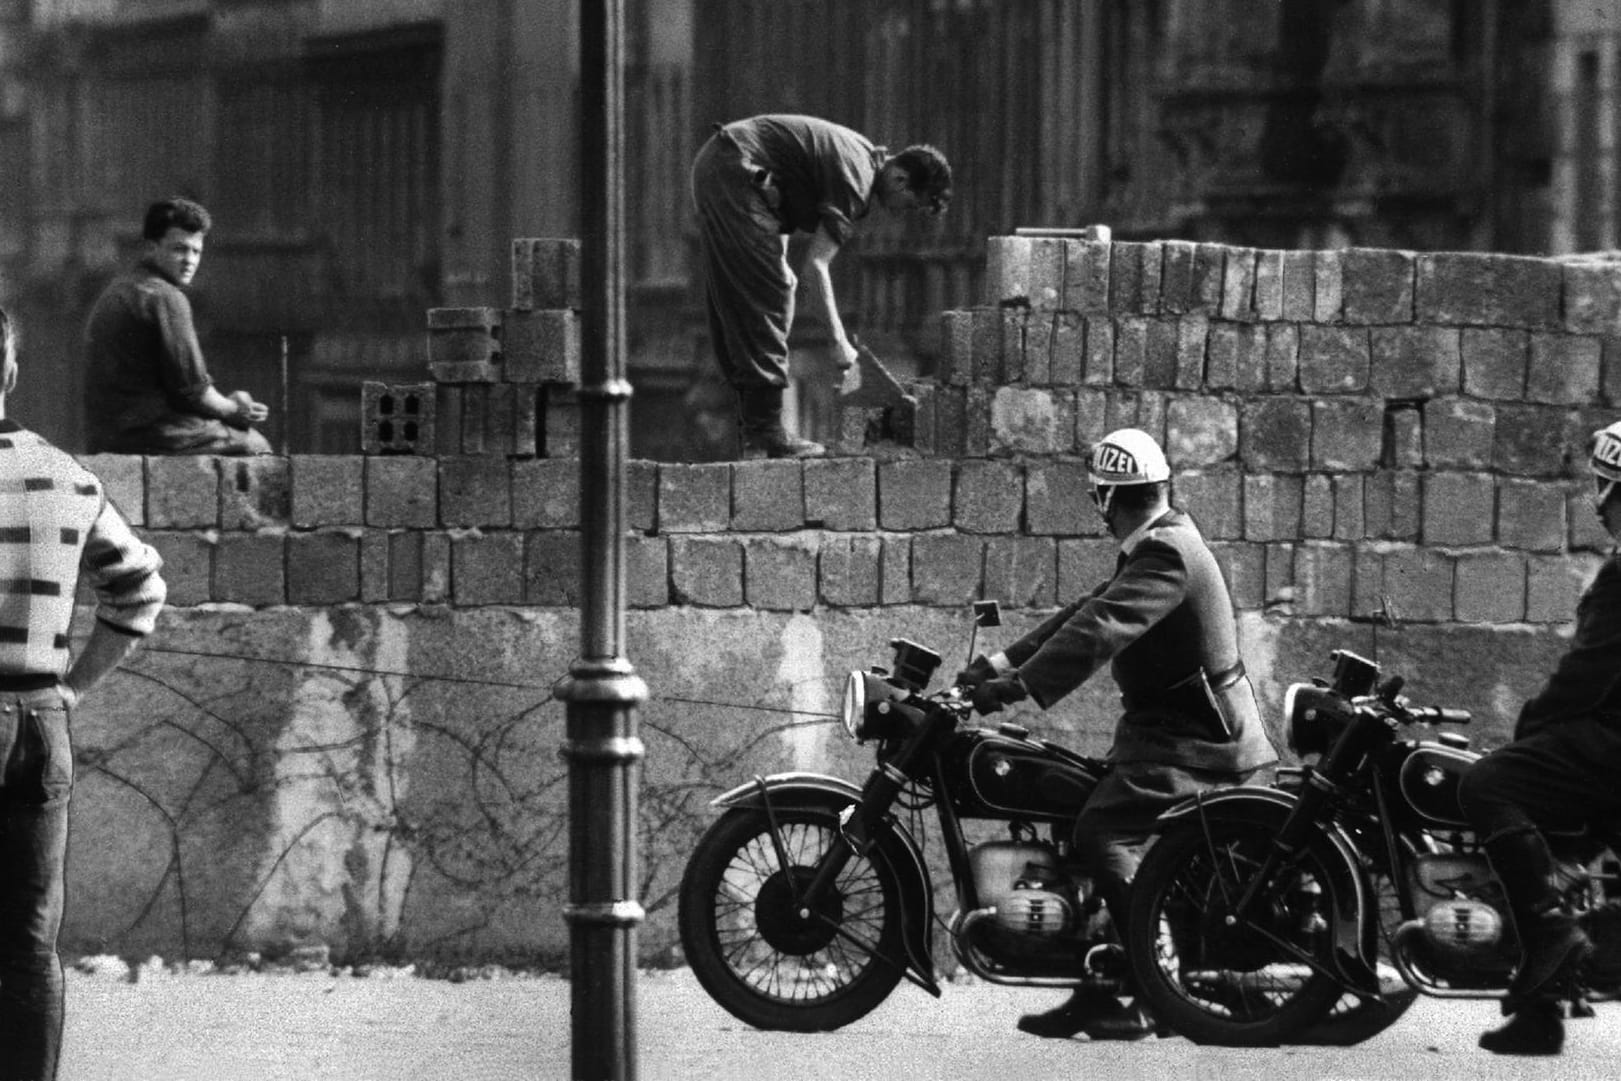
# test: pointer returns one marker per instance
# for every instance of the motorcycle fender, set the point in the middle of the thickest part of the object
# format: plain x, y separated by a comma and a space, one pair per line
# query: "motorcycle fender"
818, 791
1351, 894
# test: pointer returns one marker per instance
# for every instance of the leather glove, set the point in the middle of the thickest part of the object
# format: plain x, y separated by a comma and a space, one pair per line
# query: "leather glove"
978, 671
993, 694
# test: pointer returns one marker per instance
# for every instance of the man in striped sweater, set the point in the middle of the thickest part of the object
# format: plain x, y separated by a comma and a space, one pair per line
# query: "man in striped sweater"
55, 524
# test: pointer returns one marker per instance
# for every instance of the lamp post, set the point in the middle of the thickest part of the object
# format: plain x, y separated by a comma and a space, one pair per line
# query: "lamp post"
602, 690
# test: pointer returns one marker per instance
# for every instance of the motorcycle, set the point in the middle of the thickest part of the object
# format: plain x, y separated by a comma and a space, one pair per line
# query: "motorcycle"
808, 901
1257, 909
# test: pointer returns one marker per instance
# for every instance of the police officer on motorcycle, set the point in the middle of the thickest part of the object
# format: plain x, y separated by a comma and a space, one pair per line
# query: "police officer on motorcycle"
1164, 623
1558, 772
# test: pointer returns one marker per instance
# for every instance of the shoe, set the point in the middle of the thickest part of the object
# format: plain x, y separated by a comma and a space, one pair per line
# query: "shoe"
763, 433
1535, 1029
1554, 947
1122, 1023
1098, 1014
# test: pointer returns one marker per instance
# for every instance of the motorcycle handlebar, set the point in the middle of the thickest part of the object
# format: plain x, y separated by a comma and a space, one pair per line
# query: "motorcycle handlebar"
1438, 715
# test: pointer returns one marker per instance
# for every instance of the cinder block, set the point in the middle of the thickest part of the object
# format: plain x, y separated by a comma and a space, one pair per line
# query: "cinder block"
641, 494
402, 492
1459, 508
1282, 356
1275, 434
1322, 575
1368, 596
1459, 433
1299, 286
1592, 297
1392, 506
188, 565
1268, 285
1026, 346
1192, 334
1202, 431
1254, 355
546, 273
1086, 276
1328, 281
768, 496
1564, 369
1419, 584
254, 493
498, 423
1334, 360
1489, 290
123, 479
1529, 440
1055, 499
1350, 522
323, 567
1153, 259
1031, 421
956, 362
324, 488
989, 497
695, 498
1100, 345
448, 419
1066, 355
779, 573
475, 420
1130, 351
849, 570
436, 563
990, 340
1377, 285
1160, 354
561, 423
841, 493
182, 492
1008, 270
541, 347
647, 572
950, 421
1126, 278
552, 563
1495, 362
1587, 533
1317, 510
1530, 515
487, 568
250, 568
706, 571
1415, 361
1243, 565
1176, 278
374, 568
1047, 268
977, 422
528, 407
1222, 348
1272, 506
1278, 583
1213, 499
1553, 586
546, 494
1083, 565
895, 570
464, 355
1238, 285
1404, 435
914, 494
1209, 277
475, 491
1092, 412
1022, 572
1346, 434
1490, 587
405, 565
947, 569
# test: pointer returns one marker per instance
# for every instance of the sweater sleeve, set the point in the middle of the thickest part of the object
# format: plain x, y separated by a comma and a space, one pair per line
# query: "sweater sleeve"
123, 572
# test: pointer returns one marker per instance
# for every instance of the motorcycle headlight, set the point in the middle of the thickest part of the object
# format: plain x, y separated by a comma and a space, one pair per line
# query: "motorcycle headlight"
875, 708
1314, 716
855, 703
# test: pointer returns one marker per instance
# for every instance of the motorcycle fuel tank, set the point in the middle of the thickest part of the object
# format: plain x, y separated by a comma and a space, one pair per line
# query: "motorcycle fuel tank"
1429, 780
996, 775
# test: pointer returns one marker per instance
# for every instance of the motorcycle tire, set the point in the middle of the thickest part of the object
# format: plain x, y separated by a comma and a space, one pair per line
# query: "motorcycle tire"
756, 953
1218, 984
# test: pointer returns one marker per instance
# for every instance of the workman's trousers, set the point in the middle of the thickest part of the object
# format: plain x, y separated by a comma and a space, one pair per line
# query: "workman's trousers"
748, 286
35, 785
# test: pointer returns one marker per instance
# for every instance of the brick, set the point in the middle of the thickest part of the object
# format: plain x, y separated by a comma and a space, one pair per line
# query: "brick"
1553, 586
841, 493
1282, 360
1176, 277
1272, 507
1459, 508
464, 318
1275, 434
1328, 280
1587, 533
1483, 289
1160, 354
552, 568
487, 568
1153, 263
1404, 435
1495, 362
1203, 431
1346, 434
546, 273
1334, 360
895, 571
1391, 505
1030, 421
990, 334
768, 496
475, 425
254, 493
1278, 577
695, 498
499, 424
647, 572
323, 567
188, 566
1092, 413
1226, 343
560, 424
1048, 259
1067, 357
1317, 507
402, 492
1368, 597
1592, 297
977, 422
1377, 285
1026, 338
779, 573
641, 494
448, 407
1056, 501
475, 491
849, 571
1008, 270
1243, 566
1130, 351
546, 494
1213, 500
1126, 278
435, 569
1299, 286
955, 364
1530, 515
1350, 522
182, 492
1209, 273
1022, 571
1415, 362
405, 570
706, 571
1459, 433
123, 479
1322, 576
950, 421
1529, 440
1269, 285
1419, 583
1238, 285
947, 568
1083, 565
925, 419
374, 569
1086, 276
541, 347
250, 568
1192, 333
1489, 588
988, 497
1564, 369
914, 494
324, 487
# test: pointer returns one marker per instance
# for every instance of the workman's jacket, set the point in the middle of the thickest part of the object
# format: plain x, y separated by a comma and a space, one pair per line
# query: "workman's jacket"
1587, 681
1165, 623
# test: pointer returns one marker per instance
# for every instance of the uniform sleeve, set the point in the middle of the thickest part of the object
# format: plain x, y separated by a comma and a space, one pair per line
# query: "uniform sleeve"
1587, 679
1153, 581
122, 570
180, 361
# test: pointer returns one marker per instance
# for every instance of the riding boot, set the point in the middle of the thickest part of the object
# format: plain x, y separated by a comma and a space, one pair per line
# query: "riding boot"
763, 433
1093, 1011
1553, 944
1534, 1029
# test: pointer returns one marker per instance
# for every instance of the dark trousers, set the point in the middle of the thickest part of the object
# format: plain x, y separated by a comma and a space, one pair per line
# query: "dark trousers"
35, 785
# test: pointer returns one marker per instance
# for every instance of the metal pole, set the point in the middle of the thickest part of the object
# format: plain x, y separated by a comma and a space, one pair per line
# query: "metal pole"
602, 690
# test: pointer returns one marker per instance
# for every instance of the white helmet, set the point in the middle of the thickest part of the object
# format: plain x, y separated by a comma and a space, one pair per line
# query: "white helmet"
1606, 461
1124, 457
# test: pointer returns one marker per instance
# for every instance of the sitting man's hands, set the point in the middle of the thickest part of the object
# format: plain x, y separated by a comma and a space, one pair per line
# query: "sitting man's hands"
248, 411
978, 671
993, 694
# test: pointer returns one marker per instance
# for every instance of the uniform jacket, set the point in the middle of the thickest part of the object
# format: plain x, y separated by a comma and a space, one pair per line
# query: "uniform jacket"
822, 173
1587, 680
1165, 614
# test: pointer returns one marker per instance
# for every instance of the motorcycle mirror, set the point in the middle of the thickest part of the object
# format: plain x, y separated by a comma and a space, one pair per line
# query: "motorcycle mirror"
987, 614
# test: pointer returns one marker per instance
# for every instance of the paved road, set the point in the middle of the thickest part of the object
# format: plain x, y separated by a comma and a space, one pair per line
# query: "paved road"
324, 1028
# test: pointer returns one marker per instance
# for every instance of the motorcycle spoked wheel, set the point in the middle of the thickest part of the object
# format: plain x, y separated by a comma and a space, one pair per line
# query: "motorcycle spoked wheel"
1218, 984
762, 959
1352, 1018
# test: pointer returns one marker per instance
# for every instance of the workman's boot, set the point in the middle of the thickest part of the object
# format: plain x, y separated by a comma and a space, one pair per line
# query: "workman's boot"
1534, 1029
763, 433
1099, 1014
1552, 942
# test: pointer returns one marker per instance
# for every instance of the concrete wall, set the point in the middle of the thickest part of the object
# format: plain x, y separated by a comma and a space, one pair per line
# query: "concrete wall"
343, 731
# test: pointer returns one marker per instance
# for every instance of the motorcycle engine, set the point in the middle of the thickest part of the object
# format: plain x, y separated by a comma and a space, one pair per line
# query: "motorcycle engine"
1023, 883
1462, 919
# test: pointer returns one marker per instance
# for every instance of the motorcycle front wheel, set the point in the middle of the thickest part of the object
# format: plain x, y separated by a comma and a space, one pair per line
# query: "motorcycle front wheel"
771, 960
1254, 982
